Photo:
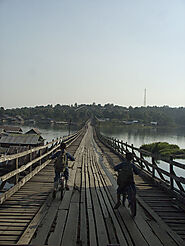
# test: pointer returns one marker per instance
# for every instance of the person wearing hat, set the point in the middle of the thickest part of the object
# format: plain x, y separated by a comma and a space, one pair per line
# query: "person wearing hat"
61, 158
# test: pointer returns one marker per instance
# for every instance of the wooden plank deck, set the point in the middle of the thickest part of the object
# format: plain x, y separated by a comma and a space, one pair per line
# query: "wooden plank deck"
85, 216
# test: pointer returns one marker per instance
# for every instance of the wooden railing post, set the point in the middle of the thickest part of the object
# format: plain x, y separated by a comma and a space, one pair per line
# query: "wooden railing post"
141, 162
121, 147
30, 161
132, 149
114, 143
171, 172
16, 167
153, 167
126, 146
40, 162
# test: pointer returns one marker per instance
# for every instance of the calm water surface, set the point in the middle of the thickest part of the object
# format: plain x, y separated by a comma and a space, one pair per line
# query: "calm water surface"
140, 136
49, 133
134, 136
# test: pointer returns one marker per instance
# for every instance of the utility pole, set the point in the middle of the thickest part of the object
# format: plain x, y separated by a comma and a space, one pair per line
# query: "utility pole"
69, 126
145, 97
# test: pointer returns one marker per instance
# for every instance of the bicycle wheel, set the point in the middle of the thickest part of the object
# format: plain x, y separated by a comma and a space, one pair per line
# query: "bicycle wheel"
62, 189
54, 194
133, 207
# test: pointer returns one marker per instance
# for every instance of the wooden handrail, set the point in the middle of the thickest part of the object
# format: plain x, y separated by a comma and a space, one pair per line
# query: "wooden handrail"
148, 167
40, 158
21, 154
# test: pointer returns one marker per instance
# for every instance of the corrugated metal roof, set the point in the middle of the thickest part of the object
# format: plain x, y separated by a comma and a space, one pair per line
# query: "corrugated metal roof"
20, 139
11, 128
33, 130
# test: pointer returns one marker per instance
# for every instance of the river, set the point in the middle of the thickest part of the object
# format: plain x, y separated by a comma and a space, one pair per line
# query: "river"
139, 136
50, 132
135, 136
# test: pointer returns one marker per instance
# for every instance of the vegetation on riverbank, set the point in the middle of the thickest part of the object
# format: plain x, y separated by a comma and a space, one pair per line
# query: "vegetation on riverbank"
109, 113
164, 150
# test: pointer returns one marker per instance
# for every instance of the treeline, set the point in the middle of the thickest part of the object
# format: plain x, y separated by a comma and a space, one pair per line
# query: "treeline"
164, 116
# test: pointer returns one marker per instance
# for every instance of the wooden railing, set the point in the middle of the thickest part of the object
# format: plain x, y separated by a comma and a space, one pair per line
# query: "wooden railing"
150, 165
37, 158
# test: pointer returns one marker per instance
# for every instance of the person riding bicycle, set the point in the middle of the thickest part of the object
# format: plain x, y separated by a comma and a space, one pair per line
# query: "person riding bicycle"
125, 180
61, 158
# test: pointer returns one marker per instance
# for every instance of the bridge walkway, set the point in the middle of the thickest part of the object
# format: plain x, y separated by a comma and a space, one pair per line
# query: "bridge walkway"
85, 216
162, 205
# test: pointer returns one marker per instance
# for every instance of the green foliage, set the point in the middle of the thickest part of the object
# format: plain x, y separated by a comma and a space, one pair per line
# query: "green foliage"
163, 149
164, 116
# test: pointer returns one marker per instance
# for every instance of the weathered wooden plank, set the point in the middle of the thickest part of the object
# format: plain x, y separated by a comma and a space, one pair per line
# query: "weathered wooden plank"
92, 228
46, 224
83, 237
66, 200
11, 191
71, 228
143, 223
14, 213
16, 217
92, 238
100, 224
29, 232
55, 237
12, 224
24, 203
119, 229
151, 194
88, 195
11, 228
8, 238
129, 226
123, 215
7, 242
176, 239
174, 214
108, 221
17, 220
10, 233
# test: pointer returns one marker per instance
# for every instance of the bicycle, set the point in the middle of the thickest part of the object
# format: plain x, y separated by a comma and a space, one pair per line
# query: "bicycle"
130, 195
60, 187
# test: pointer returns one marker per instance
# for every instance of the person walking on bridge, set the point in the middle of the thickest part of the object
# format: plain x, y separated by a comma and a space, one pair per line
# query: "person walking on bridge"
125, 180
61, 158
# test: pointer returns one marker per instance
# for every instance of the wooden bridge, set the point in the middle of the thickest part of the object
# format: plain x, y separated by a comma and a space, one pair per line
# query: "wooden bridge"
85, 216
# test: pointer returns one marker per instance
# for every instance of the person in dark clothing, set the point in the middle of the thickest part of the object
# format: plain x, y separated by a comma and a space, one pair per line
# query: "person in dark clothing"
61, 158
126, 185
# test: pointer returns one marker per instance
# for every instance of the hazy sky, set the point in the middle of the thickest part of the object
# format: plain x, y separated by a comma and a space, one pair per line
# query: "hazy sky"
85, 51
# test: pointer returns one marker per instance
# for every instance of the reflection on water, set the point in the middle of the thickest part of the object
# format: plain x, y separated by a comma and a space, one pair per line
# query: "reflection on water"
49, 132
135, 136
139, 136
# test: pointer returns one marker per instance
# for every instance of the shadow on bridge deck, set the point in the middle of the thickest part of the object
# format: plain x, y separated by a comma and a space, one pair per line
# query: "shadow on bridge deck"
85, 216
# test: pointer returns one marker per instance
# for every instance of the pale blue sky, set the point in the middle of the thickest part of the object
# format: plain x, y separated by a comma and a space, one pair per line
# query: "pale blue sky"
85, 51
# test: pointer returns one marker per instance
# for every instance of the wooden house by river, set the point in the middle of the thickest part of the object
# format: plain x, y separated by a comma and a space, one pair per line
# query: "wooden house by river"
11, 143
31, 140
11, 129
34, 131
